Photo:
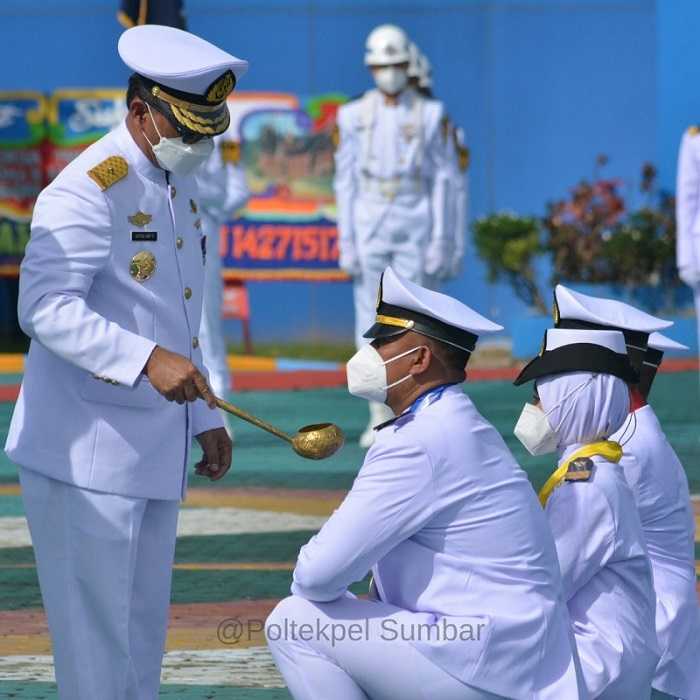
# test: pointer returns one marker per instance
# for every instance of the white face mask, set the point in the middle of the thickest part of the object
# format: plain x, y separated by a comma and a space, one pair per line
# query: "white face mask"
366, 371
390, 79
534, 431
178, 157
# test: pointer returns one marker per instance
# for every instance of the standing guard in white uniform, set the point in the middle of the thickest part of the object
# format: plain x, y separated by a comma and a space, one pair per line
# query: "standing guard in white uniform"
391, 184
659, 486
222, 190
688, 214
466, 595
581, 399
111, 296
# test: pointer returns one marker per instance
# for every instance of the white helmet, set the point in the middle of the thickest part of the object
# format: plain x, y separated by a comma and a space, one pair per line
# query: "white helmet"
414, 61
425, 72
386, 45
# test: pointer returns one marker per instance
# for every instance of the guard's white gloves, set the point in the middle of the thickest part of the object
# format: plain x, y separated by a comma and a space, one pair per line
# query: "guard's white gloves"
690, 276
437, 259
456, 265
349, 262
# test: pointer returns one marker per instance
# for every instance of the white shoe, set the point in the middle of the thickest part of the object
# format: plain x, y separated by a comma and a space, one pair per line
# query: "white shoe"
378, 413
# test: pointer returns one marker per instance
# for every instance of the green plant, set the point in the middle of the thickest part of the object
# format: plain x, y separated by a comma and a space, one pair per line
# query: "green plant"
509, 245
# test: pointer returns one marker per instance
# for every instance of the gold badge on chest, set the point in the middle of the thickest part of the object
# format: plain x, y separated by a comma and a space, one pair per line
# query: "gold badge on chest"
140, 219
142, 266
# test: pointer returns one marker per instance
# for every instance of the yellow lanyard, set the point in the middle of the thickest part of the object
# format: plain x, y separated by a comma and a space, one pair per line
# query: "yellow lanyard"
606, 448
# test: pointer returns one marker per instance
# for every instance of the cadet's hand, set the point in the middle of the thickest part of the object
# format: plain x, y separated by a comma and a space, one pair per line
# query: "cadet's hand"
349, 262
689, 276
437, 259
176, 378
216, 460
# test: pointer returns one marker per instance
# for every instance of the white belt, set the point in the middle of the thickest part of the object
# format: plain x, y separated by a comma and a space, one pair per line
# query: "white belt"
391, 187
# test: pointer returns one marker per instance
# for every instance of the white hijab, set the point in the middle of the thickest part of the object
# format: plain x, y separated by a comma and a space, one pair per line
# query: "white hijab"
583, 407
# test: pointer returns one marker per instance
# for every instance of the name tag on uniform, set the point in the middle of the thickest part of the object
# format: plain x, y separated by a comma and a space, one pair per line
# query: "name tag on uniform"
144, 236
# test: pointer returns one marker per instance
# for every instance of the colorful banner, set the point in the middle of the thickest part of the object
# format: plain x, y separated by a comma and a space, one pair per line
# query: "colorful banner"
288, 228
22, 131
285, 145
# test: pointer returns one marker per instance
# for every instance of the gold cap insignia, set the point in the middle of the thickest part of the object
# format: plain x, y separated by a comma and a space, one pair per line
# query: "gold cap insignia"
193, 206
140, 219
143, 265
694, 130
220, 89
109, 171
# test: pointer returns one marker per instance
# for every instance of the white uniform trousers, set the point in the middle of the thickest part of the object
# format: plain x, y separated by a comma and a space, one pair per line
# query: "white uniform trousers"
321, 657
211, 331
104, 564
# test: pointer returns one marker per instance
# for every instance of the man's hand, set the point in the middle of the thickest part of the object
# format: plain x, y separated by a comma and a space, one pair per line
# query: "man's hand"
349, 262
689, 276
437, 262
216, 460
176, 378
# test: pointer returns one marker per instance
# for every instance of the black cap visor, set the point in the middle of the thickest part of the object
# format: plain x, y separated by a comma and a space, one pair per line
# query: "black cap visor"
579, 357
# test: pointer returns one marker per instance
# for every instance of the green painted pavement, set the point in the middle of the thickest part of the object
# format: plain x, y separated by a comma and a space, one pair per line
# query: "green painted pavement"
47, 691
262, 460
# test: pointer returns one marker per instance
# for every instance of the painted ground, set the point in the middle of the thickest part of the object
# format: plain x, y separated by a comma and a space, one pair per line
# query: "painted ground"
238, 540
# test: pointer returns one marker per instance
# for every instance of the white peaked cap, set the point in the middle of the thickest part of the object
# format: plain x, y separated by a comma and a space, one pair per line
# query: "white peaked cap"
176, 59
403, 305
657, 341
575, 306
580, 350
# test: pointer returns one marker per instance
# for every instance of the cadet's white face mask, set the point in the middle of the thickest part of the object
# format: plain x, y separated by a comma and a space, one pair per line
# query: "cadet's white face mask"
176, 156
390, 79
366, 371
534, 430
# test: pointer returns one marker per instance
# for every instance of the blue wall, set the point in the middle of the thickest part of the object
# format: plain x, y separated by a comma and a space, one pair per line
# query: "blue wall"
540, 86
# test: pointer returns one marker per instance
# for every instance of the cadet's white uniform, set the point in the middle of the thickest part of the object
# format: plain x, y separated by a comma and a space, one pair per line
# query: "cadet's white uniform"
103, 455
688, 214
660, 489
222, 190
459, 200
454, 536
607, 577
391, 192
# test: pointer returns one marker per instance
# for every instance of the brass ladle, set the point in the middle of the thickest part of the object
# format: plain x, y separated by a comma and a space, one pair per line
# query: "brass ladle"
312, 441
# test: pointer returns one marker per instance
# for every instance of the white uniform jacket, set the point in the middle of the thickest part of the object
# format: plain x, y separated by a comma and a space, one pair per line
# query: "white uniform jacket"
392, 170
449, 524
607, 580
86, 415
660, 489
688, 208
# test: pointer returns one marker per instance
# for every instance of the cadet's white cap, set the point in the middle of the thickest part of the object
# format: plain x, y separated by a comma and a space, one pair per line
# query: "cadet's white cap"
188, 73
658, 341
576, 310
580, 350
403, 305
387, 45
414, 61
425, 78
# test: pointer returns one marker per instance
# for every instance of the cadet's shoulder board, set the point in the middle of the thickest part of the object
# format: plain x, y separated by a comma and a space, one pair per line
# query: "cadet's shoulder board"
109, 171
694, 130
231, 152
335, 136
464, 158
580, 469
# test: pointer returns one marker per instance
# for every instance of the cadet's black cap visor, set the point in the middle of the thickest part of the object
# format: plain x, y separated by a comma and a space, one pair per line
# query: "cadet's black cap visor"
394, 320
579, 357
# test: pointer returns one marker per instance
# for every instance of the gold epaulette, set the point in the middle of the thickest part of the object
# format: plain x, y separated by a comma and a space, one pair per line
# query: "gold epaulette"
109, 171
463, 158
231, 152
580, 469
335, 136
694, 130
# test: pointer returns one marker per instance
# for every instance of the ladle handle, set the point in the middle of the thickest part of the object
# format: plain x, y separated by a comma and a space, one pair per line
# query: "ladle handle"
230, 408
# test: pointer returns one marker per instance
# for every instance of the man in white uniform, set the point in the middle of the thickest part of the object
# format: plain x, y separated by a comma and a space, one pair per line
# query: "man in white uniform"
222, 190
466, 586
660, 489
391, 184
688, 214
581, 399
111, 294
